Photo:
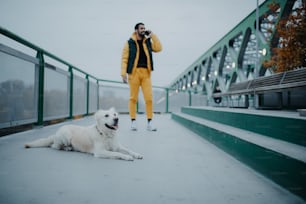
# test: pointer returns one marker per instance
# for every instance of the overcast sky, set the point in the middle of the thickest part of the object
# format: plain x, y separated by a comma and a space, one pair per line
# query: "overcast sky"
91, 34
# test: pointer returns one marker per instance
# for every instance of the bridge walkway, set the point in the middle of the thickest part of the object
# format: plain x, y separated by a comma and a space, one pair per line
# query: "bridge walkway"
178, 167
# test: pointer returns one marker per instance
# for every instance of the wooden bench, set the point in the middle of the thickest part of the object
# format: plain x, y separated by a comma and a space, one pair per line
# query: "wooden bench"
293, 79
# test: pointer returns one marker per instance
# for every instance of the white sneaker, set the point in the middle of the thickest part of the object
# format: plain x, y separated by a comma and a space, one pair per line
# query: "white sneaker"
134, 125
150, 126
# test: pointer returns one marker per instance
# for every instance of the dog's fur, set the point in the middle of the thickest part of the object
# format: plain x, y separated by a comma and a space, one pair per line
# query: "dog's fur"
99, 139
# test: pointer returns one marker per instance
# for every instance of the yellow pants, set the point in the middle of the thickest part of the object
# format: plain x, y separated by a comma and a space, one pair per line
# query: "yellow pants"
140, 78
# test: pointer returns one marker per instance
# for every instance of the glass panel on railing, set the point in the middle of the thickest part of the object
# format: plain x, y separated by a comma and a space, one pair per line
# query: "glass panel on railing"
18, 101
177, 100
79, 95
56, 94
159, 101
93, 97
199, 100
114, 96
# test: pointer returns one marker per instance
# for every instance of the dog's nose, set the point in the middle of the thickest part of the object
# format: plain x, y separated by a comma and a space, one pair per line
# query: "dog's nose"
116, 120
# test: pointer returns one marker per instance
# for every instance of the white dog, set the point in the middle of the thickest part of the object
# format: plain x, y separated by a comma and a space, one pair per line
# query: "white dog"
99, 139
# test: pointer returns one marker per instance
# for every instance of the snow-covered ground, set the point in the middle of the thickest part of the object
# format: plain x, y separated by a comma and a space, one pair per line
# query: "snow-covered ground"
178, 167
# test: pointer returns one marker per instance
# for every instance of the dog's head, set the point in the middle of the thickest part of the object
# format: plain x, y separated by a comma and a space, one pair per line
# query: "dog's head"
107, 119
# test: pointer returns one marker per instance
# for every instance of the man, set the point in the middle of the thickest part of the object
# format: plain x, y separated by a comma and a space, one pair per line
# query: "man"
136, 67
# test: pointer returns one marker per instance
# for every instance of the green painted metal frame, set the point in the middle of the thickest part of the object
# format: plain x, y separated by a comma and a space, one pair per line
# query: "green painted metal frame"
244, 28
41, 77
87, 94
167, 100
40, 56
71, 93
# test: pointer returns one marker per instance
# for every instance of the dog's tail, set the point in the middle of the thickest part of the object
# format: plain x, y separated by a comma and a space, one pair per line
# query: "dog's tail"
43, 142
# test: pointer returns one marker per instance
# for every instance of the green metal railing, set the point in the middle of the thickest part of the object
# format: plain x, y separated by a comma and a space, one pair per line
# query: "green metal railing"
78, 88
238, 56
41, 53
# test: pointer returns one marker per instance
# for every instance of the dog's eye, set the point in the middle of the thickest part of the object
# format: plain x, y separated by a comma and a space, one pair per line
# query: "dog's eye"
106, 115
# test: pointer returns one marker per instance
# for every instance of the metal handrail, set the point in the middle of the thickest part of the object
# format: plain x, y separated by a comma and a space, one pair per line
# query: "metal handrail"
23, 41
42, 65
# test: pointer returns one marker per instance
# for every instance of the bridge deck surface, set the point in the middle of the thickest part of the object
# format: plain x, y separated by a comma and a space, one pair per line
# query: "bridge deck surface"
178, 167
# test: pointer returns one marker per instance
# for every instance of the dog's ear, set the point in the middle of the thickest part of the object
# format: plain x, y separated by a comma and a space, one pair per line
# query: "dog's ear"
97, 114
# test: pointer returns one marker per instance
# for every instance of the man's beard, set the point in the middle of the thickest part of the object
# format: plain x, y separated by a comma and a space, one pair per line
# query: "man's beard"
142, 34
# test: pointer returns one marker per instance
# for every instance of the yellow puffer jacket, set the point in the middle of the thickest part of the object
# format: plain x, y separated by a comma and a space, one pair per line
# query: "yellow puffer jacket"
156, 47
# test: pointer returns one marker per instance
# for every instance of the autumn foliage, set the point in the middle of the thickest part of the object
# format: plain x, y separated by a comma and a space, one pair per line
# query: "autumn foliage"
291, 50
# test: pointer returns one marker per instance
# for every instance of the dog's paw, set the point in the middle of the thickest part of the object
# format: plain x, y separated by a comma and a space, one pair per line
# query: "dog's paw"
127, 158
138, 156
67, 148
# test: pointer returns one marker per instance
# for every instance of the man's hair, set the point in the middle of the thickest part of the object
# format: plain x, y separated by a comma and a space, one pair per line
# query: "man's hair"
137, 25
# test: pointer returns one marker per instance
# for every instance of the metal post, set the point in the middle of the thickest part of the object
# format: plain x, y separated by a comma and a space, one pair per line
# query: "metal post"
87, 95
41, 83
257, 38
256, 99
71, 93
98, 92
167, 100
